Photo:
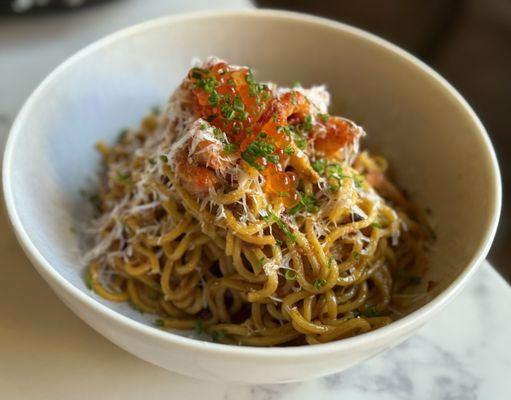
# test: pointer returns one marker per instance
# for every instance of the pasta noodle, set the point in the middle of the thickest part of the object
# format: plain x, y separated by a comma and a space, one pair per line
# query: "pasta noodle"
246, 212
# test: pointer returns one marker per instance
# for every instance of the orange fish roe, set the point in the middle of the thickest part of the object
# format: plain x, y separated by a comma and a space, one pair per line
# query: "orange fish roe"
263, 129
336, 134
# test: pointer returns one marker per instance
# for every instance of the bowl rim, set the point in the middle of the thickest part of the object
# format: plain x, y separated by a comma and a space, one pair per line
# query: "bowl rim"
404, 324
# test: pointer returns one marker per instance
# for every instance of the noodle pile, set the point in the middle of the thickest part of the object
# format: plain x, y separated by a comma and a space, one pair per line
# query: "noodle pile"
248, 213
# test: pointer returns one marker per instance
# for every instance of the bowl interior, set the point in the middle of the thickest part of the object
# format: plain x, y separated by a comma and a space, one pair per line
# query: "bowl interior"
434, 145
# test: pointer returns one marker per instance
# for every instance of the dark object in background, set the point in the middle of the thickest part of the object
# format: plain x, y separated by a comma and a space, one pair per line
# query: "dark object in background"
31, 6
468, 42
412, 24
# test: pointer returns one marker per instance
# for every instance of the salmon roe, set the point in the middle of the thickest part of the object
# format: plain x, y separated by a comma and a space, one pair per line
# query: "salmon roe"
259, 126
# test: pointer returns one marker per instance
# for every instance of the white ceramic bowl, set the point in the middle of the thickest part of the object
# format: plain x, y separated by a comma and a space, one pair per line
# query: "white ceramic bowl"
438, 149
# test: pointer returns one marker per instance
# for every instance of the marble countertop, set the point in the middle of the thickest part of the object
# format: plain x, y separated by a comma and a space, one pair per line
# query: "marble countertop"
47, 352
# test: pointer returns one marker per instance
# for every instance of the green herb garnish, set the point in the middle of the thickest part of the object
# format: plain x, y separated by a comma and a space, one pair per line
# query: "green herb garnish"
197, 72
324, 117
217, 335
289, 150
306, 203
255, 150
371, 312
208, 84
272, 158
230, 148
257, 90
290, 275
319, 166
238, 104
271, 217
307, 123
319, 283
300, 142
88, 280
199, 326
334, 174
159, 323
125, 178
214, 98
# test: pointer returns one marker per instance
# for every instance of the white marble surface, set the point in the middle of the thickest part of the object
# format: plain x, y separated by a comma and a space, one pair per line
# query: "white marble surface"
46, 352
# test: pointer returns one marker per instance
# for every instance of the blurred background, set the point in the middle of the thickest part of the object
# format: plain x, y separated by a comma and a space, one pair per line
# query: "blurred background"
467, 41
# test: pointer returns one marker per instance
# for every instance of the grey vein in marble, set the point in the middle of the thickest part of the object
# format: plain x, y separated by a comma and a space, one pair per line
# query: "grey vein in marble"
462, 354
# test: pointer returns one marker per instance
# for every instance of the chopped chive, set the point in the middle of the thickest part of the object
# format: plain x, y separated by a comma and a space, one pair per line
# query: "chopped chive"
319, 166
255, 150
324, 117
88, 280
217, 335
238, 104
218, 134
230, 148
199, 326
125, 178
272, 158
307, 123
319, 283
371, 312
213, 98
159, 323
271, 217
164, 158
300, 141
290, 275
289, 150
306, 203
